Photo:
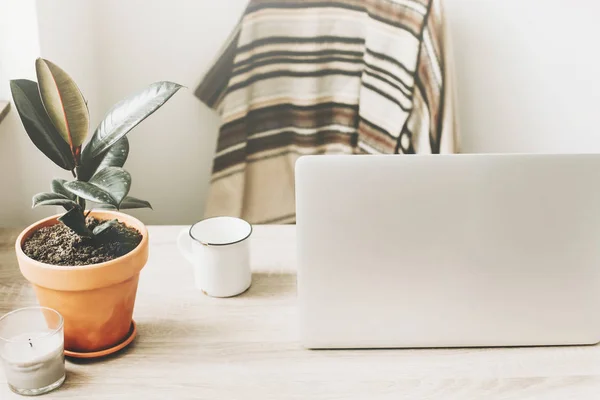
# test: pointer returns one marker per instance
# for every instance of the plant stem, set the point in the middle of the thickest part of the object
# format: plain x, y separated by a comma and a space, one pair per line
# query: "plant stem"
74, 174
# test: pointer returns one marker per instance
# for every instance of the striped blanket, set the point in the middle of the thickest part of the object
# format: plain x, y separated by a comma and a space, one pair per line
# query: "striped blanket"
323, 77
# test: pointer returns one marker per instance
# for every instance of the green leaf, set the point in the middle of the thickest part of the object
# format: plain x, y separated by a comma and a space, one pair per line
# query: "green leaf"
104, 226
75, 220
63, 102
47, 196
52, 199
90, 192
38, 126
127, 114
58, 186
113, 180
115, 156
130, 203
105, 207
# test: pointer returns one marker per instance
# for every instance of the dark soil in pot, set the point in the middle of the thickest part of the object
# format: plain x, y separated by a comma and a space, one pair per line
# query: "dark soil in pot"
58, 245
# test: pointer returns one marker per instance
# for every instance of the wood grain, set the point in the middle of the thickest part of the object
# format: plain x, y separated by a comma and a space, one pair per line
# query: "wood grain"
4, 108
193, 346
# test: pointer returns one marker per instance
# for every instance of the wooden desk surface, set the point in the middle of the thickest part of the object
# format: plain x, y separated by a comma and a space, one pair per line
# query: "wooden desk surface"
193, 346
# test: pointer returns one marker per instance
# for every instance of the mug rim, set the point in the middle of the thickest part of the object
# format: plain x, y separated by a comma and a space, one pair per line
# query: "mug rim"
220, 244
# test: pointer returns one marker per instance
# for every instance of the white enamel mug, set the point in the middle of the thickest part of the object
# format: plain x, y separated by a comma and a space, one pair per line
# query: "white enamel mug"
219, 251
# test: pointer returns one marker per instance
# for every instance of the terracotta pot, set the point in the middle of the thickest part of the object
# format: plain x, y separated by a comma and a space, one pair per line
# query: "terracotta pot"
95, 300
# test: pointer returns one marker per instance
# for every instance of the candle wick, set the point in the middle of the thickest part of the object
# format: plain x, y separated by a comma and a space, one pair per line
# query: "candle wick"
30, 344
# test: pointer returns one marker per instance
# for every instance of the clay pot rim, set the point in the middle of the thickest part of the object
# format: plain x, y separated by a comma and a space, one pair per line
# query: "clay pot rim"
35, 226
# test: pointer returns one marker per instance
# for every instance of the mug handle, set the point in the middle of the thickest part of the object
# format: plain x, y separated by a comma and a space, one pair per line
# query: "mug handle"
184, 244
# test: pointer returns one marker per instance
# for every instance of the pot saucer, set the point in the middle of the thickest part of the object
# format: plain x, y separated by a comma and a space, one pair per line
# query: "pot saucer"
102, 353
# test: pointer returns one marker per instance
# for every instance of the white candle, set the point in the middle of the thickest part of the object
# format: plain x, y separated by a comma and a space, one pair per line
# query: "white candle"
34, 360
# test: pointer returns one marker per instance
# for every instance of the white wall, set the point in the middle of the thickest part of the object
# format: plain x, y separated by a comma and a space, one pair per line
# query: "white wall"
527, 75
21, 168
113, 48
143, 41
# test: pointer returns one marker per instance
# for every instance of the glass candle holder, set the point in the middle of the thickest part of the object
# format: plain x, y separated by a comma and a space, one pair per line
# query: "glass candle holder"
32, 350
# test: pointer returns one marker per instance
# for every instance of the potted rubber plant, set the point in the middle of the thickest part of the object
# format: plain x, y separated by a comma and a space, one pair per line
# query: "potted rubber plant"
86, 262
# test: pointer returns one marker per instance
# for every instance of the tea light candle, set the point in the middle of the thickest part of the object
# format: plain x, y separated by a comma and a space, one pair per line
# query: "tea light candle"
33, 360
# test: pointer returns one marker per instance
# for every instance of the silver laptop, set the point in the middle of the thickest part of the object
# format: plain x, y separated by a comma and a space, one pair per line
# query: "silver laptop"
448, 251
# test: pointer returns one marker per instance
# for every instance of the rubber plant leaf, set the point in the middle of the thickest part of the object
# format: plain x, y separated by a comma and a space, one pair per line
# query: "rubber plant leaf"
91, 192
38, 125
75, 220
64, 104
52, 199
130, 203
115, 156
113, 180
58, 186
127, 114
103, 227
